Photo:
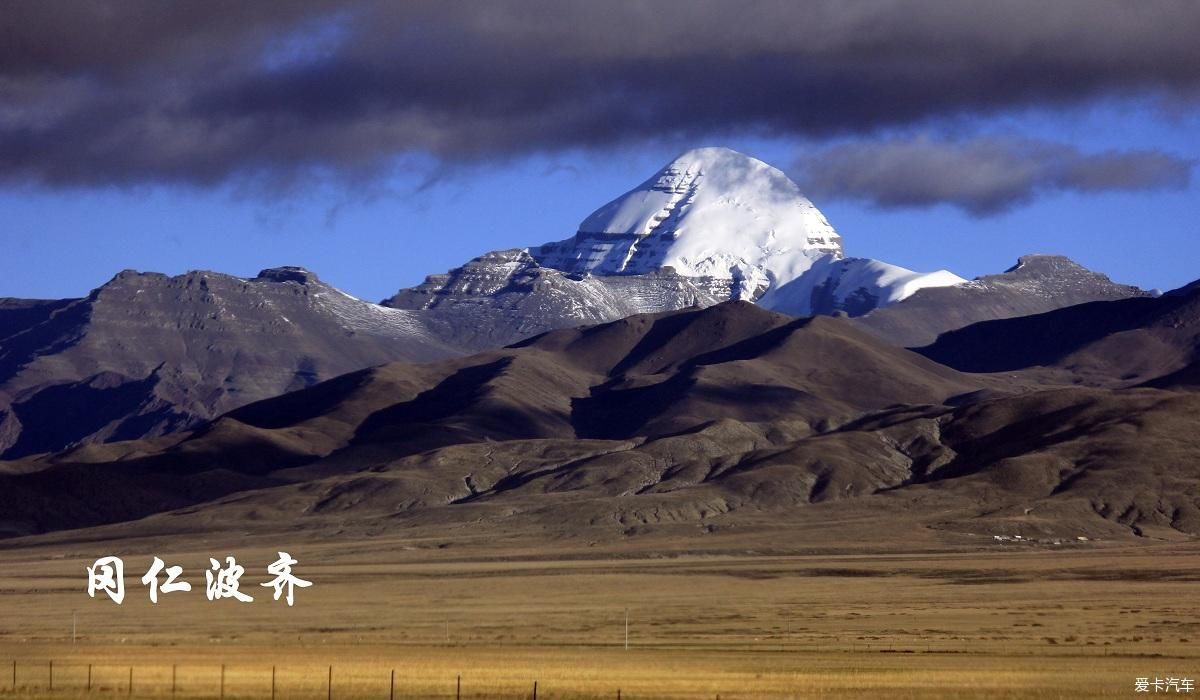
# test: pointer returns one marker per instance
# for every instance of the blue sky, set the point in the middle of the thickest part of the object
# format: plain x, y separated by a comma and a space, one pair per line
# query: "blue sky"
64, 243
137, 153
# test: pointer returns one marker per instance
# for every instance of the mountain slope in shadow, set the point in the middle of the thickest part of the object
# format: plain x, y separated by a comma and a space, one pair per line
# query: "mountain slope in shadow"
1129, 341
1036, 284
715, 418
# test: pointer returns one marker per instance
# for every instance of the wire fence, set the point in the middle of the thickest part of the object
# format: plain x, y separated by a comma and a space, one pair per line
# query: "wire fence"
243, 681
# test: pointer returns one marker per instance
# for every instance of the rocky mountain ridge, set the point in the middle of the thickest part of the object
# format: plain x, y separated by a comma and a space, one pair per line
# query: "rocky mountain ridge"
147, 354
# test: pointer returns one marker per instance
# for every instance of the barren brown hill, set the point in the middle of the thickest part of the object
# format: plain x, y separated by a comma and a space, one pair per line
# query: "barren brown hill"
1107, 343
723, 420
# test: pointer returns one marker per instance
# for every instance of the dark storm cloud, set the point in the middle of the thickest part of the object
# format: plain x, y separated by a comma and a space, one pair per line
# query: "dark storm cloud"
983, 176
199, 92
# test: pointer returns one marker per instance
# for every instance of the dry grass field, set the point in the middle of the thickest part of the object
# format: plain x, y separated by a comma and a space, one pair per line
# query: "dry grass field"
778, 507
1009, 621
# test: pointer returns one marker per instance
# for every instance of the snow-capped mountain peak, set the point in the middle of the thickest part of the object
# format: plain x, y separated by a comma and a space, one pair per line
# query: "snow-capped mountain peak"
710, 226
711, 212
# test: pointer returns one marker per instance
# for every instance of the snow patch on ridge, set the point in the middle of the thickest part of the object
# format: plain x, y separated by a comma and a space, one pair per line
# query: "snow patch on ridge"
365, 317
852, 285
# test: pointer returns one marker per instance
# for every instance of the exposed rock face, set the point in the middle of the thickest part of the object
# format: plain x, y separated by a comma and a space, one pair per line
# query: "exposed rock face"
506, 296
1036, 284
147, 354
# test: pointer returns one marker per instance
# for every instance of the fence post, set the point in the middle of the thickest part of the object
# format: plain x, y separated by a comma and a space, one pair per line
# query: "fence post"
130, 691
329, 685
222, 681
458, 688
89, 686
535, 690
172, 680
14, 676
52, 675
392, 692
272, 683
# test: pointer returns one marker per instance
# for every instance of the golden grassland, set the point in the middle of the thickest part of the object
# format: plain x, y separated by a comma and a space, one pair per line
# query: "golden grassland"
1013, 621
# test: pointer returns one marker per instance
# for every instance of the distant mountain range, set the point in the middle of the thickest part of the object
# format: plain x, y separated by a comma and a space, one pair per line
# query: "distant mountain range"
710, 226
146, 355
715, 225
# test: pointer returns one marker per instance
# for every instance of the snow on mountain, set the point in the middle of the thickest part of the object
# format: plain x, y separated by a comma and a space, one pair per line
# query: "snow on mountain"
506, 296
853, 285
711, 212
1035, 285
147, 354
743, 228
710, 226
348, 311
